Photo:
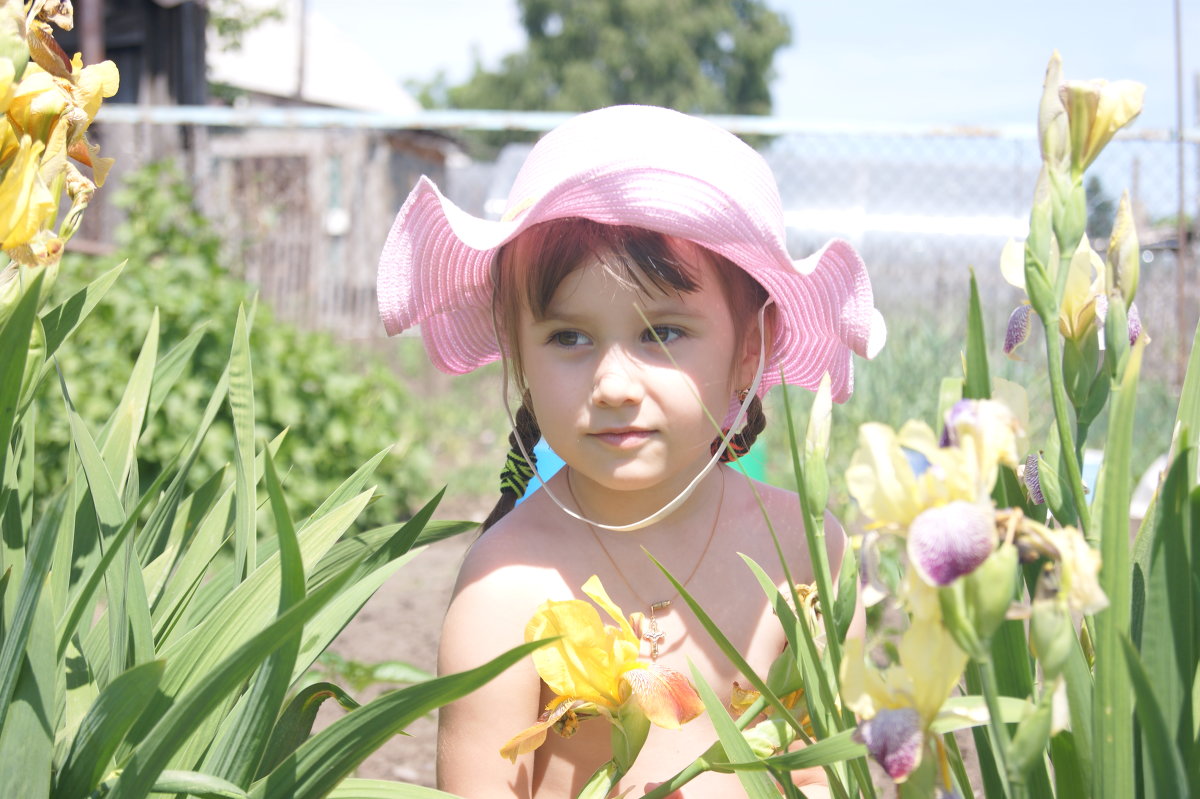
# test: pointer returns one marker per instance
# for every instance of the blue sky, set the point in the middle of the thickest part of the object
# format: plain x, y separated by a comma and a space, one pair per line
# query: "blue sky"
931, 62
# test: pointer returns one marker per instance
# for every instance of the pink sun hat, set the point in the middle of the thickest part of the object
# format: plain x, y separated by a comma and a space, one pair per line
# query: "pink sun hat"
651, 168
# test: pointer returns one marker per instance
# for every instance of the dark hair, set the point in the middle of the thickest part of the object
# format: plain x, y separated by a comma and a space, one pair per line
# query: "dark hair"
527, 271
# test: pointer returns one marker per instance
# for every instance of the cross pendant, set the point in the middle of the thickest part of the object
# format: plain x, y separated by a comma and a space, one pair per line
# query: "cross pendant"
654, 635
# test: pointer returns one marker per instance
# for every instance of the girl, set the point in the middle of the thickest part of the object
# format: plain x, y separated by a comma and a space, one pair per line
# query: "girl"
637, 288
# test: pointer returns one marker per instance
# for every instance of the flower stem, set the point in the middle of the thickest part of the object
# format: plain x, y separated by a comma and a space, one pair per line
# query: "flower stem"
999, 733
1066, 437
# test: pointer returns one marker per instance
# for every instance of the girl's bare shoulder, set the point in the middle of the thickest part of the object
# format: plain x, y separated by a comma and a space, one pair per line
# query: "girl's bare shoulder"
522, 555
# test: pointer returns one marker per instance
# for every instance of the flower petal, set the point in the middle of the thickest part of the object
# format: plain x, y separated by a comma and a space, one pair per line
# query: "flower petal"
583, 663
595, 591
946, 542
894, 737
1018, 329
1032, 481
532, 737
665, 695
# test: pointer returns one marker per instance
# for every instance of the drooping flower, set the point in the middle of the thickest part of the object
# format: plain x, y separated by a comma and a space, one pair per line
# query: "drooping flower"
1077, 315
594, 670
898, 704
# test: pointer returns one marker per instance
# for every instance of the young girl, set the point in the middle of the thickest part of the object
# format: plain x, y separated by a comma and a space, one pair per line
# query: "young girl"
640, 294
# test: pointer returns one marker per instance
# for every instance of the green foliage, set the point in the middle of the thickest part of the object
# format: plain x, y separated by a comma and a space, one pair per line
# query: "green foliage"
134, 658
320, 391
697, 56
230, 20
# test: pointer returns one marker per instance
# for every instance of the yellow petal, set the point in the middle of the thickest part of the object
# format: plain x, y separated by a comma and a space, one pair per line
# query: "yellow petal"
1119, 103
1012, 263
582, 663
863, 690
933, 663
665, 695
880, 478
26, 205
94, 83
594, 590
532, 737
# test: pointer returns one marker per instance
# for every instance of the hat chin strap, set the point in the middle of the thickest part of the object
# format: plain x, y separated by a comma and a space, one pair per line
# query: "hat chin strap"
682, 497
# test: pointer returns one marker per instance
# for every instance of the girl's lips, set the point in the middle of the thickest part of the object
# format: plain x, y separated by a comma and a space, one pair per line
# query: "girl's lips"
623, 439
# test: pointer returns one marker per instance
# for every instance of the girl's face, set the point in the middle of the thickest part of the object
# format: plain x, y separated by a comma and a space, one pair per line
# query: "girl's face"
621, 409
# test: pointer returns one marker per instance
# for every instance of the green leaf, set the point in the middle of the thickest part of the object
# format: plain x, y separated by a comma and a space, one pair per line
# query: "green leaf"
381, 789
978, 383
1113, 737
324, 760
1187, 418
103, 728
26, 737
756, 784
19, 629
730, 651
1166, 773
62, 320
171, 368
128, 608
828, 752
14, 349
1168, 648
177, 724
241, 401
246, 731
295, 722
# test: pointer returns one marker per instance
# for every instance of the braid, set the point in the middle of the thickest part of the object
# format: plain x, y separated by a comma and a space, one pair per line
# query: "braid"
517, 473
740, 443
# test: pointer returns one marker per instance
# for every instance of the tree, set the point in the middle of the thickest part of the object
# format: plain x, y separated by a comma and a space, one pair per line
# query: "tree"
697, 56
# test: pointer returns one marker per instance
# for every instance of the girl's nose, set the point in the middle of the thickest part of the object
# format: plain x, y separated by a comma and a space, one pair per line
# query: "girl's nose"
618, 381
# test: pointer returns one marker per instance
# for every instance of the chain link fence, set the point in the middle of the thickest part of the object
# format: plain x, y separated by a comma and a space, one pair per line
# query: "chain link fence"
304, 199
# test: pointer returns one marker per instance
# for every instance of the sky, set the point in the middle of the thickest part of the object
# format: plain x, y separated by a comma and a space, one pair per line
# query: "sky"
922, 62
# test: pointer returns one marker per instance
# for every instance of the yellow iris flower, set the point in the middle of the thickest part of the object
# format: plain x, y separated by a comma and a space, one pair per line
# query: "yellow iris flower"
898, 705
593, 669
1097, 109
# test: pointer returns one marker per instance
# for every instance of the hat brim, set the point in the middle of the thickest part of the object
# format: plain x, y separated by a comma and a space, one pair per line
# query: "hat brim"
435, 270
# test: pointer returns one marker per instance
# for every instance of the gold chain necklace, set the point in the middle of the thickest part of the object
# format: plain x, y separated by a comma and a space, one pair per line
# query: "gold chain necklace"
654, 635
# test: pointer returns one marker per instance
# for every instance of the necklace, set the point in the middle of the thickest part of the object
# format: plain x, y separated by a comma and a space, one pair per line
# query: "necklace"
654, 636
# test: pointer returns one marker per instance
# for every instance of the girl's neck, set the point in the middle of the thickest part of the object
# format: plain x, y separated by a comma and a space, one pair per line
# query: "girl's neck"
616, 507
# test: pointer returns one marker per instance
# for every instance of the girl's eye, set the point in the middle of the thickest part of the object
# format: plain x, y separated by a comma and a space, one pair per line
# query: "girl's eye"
567, 338
663, 333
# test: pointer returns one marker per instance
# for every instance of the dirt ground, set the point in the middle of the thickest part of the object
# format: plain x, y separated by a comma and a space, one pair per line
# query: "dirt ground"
402, 622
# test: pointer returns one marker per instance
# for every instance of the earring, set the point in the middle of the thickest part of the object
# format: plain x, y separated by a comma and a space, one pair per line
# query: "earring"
741, 395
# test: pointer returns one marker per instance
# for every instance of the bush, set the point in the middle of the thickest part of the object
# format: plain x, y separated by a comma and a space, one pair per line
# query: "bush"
322, 392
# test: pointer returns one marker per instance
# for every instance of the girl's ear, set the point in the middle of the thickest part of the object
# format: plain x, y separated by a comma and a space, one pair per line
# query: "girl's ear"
753, 343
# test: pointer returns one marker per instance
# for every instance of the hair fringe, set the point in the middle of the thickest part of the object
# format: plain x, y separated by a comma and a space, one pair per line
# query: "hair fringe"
526, 433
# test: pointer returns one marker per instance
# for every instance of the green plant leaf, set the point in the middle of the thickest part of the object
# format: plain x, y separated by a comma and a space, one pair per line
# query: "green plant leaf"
1187, 418
241, 401
295, 722
381, 789
176, 725
63, 319
245, 733
978, 382
1166, 775
756, 784
14, 349
26, 737
128, 609
18, 630
103, 728
1113, 736
1168, 648
171, 367
828, 752
322, 761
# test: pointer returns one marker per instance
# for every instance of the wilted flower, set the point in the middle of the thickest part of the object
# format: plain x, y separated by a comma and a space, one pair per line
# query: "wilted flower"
593, 669
898, 705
